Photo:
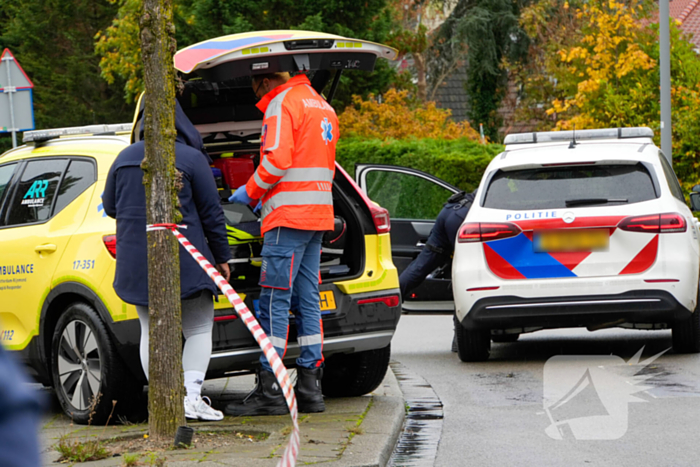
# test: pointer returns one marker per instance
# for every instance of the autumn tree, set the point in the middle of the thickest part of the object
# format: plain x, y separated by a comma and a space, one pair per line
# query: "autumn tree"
400, 116
604, 78
165, 389
602, 71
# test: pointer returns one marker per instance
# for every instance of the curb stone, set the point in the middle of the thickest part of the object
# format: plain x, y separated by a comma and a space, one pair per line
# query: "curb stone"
381, 428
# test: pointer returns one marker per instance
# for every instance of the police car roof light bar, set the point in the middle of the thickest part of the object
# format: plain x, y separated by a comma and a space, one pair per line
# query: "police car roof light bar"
40, 136
581, 135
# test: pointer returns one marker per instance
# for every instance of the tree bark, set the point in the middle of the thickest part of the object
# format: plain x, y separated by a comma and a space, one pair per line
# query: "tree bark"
422, 84
165, 389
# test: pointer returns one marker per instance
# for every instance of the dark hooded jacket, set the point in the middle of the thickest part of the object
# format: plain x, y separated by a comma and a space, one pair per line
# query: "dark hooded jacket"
21, 413
125, 200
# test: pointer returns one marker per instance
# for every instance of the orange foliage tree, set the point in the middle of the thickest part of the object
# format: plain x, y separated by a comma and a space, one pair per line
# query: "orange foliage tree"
399, 116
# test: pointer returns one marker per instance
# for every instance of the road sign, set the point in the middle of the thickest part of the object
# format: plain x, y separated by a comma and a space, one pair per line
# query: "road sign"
24, 115
16, 110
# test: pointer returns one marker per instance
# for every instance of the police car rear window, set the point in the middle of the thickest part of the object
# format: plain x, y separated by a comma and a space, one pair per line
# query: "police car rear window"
564, 186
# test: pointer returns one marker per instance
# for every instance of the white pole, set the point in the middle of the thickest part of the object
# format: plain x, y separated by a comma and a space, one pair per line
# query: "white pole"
10, 90
665, 69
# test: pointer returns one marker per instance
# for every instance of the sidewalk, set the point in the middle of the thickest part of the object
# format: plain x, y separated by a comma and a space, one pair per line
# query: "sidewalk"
352, 432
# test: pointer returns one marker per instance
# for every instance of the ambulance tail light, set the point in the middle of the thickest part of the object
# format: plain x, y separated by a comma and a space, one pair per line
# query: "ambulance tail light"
380, 216
391, 301
110, 242
472, 232
669, 222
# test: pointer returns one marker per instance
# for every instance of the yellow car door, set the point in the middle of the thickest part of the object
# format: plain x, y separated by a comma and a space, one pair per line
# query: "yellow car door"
36, 223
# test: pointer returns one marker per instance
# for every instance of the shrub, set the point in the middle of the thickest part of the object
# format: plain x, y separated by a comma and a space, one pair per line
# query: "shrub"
460, 162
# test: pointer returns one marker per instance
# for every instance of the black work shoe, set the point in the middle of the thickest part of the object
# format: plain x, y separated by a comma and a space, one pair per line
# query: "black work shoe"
266, 399
308, 390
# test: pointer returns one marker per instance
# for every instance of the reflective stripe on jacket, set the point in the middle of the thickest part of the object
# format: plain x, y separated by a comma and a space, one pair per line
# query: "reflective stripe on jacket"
297, 158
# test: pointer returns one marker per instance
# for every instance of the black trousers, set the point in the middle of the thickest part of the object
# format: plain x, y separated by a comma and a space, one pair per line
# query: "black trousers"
416, 272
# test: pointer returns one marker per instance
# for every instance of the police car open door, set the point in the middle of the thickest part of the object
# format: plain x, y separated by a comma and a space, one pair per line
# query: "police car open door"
414, 200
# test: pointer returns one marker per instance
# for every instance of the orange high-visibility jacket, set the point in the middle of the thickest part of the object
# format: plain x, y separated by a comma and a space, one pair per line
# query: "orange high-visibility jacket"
297, 158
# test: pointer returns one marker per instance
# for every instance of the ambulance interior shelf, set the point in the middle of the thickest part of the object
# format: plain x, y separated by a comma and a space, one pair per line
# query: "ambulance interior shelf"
245, 242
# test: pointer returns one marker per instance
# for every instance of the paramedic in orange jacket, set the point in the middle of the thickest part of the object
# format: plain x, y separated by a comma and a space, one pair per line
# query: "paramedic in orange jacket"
294, 182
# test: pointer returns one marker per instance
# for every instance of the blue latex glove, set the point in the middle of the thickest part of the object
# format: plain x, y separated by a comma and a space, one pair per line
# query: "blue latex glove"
240, 196
257, 208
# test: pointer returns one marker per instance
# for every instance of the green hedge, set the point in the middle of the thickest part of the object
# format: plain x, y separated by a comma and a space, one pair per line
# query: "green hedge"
459, 162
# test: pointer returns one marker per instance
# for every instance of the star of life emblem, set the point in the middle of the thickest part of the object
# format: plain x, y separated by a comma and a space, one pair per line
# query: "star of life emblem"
326, 131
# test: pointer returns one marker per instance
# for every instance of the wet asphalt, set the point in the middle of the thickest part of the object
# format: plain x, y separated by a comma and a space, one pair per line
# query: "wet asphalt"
494, 411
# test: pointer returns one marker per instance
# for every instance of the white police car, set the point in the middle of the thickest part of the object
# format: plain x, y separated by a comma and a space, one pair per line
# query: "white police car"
576, 230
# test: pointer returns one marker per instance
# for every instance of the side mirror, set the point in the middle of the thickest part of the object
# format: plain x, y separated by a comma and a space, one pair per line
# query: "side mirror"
695, 201
696, 189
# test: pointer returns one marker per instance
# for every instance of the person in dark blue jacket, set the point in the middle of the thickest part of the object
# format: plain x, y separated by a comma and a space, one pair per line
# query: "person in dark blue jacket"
20, 416
125, 199
440, 244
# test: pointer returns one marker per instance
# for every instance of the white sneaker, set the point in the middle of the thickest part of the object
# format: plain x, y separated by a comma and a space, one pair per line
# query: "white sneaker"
199, 409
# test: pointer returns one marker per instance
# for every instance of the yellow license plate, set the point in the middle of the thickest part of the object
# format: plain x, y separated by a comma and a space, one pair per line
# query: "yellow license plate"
571, 240
327, 300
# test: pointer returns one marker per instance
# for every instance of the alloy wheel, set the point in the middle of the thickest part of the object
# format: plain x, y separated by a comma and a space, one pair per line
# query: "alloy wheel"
79, 366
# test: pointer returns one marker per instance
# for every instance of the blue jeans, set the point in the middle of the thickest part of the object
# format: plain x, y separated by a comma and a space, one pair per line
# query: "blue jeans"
290, 269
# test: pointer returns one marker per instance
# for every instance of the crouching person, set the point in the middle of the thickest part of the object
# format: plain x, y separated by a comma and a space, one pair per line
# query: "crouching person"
125, 199
294, 182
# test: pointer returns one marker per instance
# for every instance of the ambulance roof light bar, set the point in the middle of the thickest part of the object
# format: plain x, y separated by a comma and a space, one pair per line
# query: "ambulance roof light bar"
581, 135
40, 136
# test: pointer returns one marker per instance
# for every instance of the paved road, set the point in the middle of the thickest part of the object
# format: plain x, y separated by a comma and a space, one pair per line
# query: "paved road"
494, 411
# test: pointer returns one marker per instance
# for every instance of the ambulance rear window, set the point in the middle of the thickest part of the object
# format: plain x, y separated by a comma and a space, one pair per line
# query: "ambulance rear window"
566, 186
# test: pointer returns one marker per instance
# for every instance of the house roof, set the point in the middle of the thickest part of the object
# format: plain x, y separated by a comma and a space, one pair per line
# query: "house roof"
452, 95
687, 12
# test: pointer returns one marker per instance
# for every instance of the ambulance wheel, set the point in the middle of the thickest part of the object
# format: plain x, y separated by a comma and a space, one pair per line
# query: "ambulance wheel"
87, 373
686, 333
501, 338
473, 345
356, 374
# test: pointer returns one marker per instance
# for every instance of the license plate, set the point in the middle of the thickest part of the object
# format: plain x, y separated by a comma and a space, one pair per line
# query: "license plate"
571, 240
327, 300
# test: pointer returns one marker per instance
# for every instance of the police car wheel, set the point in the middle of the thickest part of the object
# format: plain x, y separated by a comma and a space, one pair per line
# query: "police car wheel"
686, 334
473, 345
87, 372
356, 374
501, 338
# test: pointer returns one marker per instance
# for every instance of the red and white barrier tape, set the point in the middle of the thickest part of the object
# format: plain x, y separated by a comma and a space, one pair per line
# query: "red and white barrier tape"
291, 452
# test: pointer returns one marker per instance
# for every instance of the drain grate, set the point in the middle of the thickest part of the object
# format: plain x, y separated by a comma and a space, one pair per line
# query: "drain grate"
418, 444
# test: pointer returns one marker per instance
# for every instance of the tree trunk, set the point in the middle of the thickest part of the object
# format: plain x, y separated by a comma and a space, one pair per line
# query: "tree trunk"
422, 85
165, 389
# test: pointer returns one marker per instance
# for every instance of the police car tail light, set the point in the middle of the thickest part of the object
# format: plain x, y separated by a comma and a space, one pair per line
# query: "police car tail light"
380, 216
110, 242
669, 222
486, 231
